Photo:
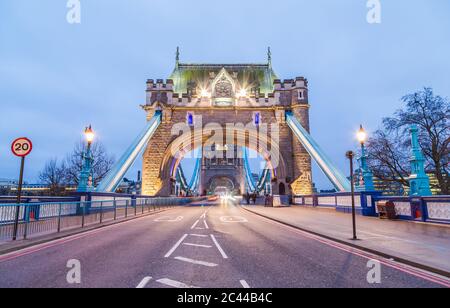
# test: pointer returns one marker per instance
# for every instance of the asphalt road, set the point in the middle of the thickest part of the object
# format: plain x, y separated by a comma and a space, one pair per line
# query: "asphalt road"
215, 246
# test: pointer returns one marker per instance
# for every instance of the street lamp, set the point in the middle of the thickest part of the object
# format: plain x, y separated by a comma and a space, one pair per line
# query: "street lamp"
367, 176
86, 178
362, 135
350, 155
89, 133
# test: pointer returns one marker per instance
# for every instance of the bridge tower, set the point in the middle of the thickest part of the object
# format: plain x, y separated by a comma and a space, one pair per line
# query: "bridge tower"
207, 97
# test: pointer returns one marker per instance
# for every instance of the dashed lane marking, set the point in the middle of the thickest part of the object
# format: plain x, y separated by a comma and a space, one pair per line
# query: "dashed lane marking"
244, 284
144, 282
176, 246
222, 252
206, 224
175, 284
197, 245
207, 264
195, 225
198, 235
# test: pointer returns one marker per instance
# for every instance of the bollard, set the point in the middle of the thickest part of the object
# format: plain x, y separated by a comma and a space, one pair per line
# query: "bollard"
83, 214
115, 209
59, 218
101, 212
27, 219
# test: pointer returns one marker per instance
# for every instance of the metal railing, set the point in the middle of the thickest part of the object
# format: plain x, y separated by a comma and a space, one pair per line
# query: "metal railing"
427, 209
38, 219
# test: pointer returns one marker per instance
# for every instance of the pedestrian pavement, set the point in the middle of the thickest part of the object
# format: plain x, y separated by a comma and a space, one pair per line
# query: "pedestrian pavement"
419, 243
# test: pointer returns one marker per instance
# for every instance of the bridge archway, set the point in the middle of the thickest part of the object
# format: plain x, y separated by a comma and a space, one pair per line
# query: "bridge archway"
188, 143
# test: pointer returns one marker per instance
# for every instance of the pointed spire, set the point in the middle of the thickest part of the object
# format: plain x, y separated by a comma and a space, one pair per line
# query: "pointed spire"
269, 56
177, 57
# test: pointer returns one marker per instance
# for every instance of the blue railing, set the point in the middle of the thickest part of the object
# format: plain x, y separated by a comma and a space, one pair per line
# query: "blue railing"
426, 209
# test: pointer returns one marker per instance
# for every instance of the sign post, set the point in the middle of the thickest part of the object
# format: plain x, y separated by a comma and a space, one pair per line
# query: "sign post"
20, 147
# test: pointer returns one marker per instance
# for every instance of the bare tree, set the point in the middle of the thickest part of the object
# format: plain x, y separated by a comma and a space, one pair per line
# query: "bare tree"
53, 175
389, 148
388, 158
103, 163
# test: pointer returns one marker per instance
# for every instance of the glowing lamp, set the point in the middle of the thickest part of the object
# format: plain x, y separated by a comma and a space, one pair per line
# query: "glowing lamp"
361, 135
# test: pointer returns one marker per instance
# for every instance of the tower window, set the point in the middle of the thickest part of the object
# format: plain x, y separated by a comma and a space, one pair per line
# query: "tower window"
190, 119
301, 96
257, 118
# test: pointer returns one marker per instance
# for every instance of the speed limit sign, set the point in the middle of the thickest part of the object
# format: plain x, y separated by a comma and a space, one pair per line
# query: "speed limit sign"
22, 147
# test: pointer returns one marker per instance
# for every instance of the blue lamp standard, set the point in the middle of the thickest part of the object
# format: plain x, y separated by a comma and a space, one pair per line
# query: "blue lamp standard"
86, 177
418, 180
365, 182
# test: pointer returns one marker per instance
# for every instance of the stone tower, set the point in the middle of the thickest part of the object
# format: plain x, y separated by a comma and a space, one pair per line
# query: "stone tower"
202, 96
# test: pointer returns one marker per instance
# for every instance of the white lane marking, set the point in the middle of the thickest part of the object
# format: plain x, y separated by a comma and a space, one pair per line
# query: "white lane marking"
222, 252
196, 262
144, 282
198, 235
176, 246
245, 284
195, 224
230, 219
206, 224
169, 219
199, 228
197, 245
175, 284
203, 216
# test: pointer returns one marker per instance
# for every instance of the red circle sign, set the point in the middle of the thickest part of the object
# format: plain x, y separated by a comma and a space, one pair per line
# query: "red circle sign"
22, 147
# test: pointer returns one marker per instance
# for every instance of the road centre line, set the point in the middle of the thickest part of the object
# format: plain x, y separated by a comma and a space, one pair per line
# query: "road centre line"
208, 264
222, 252
206, 224
176, 246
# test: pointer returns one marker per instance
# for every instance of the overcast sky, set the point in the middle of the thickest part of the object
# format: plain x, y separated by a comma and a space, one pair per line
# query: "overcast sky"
55, 77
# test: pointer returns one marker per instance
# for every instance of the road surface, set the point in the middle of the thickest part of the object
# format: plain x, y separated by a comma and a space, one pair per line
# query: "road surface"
216, 246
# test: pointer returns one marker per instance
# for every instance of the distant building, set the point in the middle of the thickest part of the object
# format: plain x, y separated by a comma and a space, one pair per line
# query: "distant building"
9, 187
397, 189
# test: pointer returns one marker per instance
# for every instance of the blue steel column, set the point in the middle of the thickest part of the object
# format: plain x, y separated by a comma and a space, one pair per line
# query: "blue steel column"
367, 175
419, 180
86, 177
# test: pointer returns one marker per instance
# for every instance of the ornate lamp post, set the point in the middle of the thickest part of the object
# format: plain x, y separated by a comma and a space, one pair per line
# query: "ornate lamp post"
86, 183
418, 180
365, 183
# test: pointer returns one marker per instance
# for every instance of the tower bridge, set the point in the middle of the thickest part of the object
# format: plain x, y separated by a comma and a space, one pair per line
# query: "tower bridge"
267, 115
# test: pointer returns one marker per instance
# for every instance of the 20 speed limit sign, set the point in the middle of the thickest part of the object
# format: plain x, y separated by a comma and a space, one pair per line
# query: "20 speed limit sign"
22, 147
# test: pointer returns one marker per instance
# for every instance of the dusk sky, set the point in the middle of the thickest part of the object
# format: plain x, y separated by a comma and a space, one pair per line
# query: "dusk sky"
56, 77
